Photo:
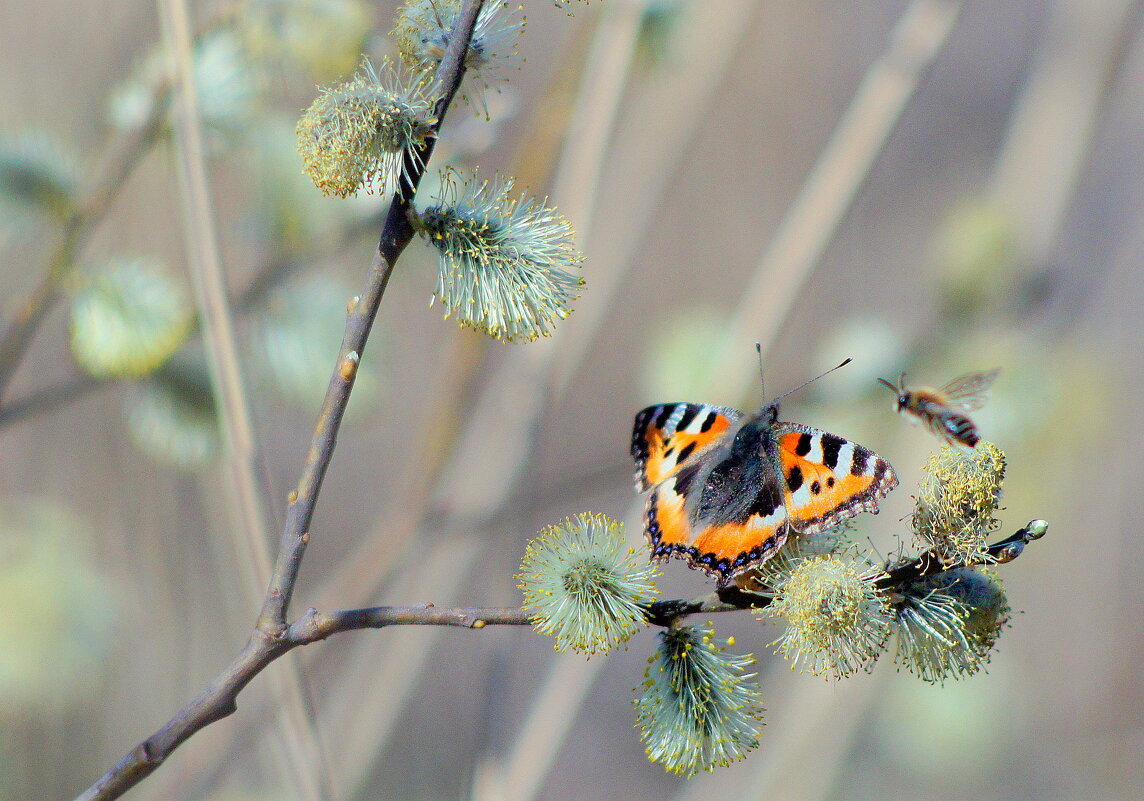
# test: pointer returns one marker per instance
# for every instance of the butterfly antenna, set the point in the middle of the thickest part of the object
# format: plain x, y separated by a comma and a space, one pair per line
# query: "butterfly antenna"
811, 381
762, 377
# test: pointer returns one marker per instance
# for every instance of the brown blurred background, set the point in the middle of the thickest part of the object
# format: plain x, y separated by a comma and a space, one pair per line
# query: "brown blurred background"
932, 187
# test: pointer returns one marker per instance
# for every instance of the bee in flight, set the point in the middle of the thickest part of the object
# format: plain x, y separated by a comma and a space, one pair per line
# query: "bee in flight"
942, 410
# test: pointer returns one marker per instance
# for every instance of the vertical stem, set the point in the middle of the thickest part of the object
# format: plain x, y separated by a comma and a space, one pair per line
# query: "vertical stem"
302, 759
395, 236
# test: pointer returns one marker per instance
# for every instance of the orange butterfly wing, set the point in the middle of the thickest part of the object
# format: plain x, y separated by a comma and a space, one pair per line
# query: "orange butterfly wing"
664, 437
722, 548
729, 548
668, 443
827, 478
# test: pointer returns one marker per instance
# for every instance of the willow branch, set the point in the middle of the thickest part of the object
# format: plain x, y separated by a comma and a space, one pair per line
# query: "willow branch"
272, 637
893, 577
218, 699
314, 626
395, 236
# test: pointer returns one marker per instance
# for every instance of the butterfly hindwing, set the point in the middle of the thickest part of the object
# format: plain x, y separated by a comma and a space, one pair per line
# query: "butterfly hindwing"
740, 518
827, 478
719, 534
728, 548
665, 437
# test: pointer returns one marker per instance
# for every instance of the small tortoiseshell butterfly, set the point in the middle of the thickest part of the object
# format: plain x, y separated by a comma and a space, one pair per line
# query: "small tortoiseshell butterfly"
940, 409
728, 489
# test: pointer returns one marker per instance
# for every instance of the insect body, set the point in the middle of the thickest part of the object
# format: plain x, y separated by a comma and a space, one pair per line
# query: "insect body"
943, 410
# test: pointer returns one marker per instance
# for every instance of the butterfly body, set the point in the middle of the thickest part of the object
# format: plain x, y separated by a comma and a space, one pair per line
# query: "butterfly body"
728, 489
944, 410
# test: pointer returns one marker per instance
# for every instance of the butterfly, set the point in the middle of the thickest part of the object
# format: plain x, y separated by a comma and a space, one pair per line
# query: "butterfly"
941, 409
728, 489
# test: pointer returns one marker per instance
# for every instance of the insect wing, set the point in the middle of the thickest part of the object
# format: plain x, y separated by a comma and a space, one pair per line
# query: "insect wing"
970, 392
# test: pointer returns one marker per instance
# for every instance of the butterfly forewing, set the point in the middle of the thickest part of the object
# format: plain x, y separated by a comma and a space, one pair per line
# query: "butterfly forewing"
665, 437
828, 479
665, 521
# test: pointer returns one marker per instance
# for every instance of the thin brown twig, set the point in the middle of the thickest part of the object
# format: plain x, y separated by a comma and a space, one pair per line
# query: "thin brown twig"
396, 234
304, 760
314, 625
271, 637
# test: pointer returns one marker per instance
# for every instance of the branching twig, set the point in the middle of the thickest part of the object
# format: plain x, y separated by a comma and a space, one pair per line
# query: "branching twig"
218, 699
248, 533
315, 625
272, 637
395, 235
